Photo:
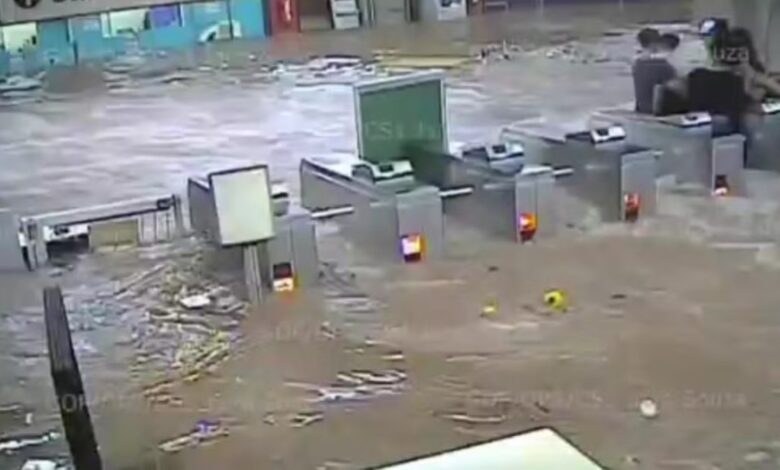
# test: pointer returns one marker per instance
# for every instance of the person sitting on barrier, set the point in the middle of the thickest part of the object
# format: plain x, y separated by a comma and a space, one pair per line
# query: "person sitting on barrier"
650, 69
671, 97
760, 84
668, 44
720, 89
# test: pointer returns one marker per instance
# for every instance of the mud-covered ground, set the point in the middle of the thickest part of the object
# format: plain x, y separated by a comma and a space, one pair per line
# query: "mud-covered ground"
386, 362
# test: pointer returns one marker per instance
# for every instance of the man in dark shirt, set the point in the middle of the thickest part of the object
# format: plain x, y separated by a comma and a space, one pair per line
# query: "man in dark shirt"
650, 69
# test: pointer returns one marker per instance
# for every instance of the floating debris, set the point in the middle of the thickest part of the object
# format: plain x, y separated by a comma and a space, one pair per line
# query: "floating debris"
648, 408
757, 456
20, 442
556, 300
204, 432
11, 408
469, 419
306, 418
394, 357
38, 464
467, 358
195, 301
190, 325
327, 331
490, 309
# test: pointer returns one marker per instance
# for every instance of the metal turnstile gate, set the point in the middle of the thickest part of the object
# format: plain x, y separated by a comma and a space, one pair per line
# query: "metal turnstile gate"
690, 148
508, 199
763, 139
392, 222
608, 174
287, 261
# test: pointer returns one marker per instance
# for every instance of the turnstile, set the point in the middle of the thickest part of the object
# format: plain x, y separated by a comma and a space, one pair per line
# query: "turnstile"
286, 261
690, 149
393, 221
608, 174
763, 139
508, 199
11, 255
158, 217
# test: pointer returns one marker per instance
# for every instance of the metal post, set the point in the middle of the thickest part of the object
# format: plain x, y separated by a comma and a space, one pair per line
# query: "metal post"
253, 274
36, 245
68, 385
10, 250
178, 217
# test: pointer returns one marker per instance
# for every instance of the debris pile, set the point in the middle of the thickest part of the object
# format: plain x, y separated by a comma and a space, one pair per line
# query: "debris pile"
499, 52
575, 52
190, 325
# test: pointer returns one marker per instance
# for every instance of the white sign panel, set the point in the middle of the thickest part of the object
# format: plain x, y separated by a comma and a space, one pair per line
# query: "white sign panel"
242, 198
19, 11
538, 450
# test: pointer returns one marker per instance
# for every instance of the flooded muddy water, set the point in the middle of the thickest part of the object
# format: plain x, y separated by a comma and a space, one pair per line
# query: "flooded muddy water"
382, 362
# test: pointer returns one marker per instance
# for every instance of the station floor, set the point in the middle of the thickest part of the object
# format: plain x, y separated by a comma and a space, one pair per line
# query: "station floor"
680, 309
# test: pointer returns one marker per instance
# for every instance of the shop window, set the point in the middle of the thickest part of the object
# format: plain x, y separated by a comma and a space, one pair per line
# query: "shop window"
19, 37
125, 22
163, 16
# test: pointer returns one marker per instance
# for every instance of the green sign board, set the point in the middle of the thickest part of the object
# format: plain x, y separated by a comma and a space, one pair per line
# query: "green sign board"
398, 115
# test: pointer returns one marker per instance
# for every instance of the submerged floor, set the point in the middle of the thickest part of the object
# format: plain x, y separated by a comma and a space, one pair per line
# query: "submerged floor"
383, 363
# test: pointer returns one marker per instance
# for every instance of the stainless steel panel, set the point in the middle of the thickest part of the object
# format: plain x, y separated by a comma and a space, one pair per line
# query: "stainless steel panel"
763, 142
280, 247
525, 203
685, 151
10, 251
638, 172
420, 212
546, 208
727, 159
306, 260
203, 214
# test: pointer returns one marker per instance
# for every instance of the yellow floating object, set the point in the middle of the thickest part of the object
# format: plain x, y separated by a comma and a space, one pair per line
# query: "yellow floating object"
490, 309
556, 300
444, 62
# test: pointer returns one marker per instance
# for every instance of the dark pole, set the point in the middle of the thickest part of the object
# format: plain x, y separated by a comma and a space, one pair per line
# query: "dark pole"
68, 385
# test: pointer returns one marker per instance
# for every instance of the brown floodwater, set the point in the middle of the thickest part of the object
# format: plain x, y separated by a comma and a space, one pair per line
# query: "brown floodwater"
655, 313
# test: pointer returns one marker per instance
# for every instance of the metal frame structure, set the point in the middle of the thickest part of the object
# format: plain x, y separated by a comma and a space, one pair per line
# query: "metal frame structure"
376, 216
690, 150
33, 225
500, 198
607, 176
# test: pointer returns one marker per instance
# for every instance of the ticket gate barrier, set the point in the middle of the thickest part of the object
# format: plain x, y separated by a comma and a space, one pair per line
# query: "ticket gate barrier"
283, 263
132, 221
608, 174
509, 200
11, 254
399, 220
763, 138
692, 149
